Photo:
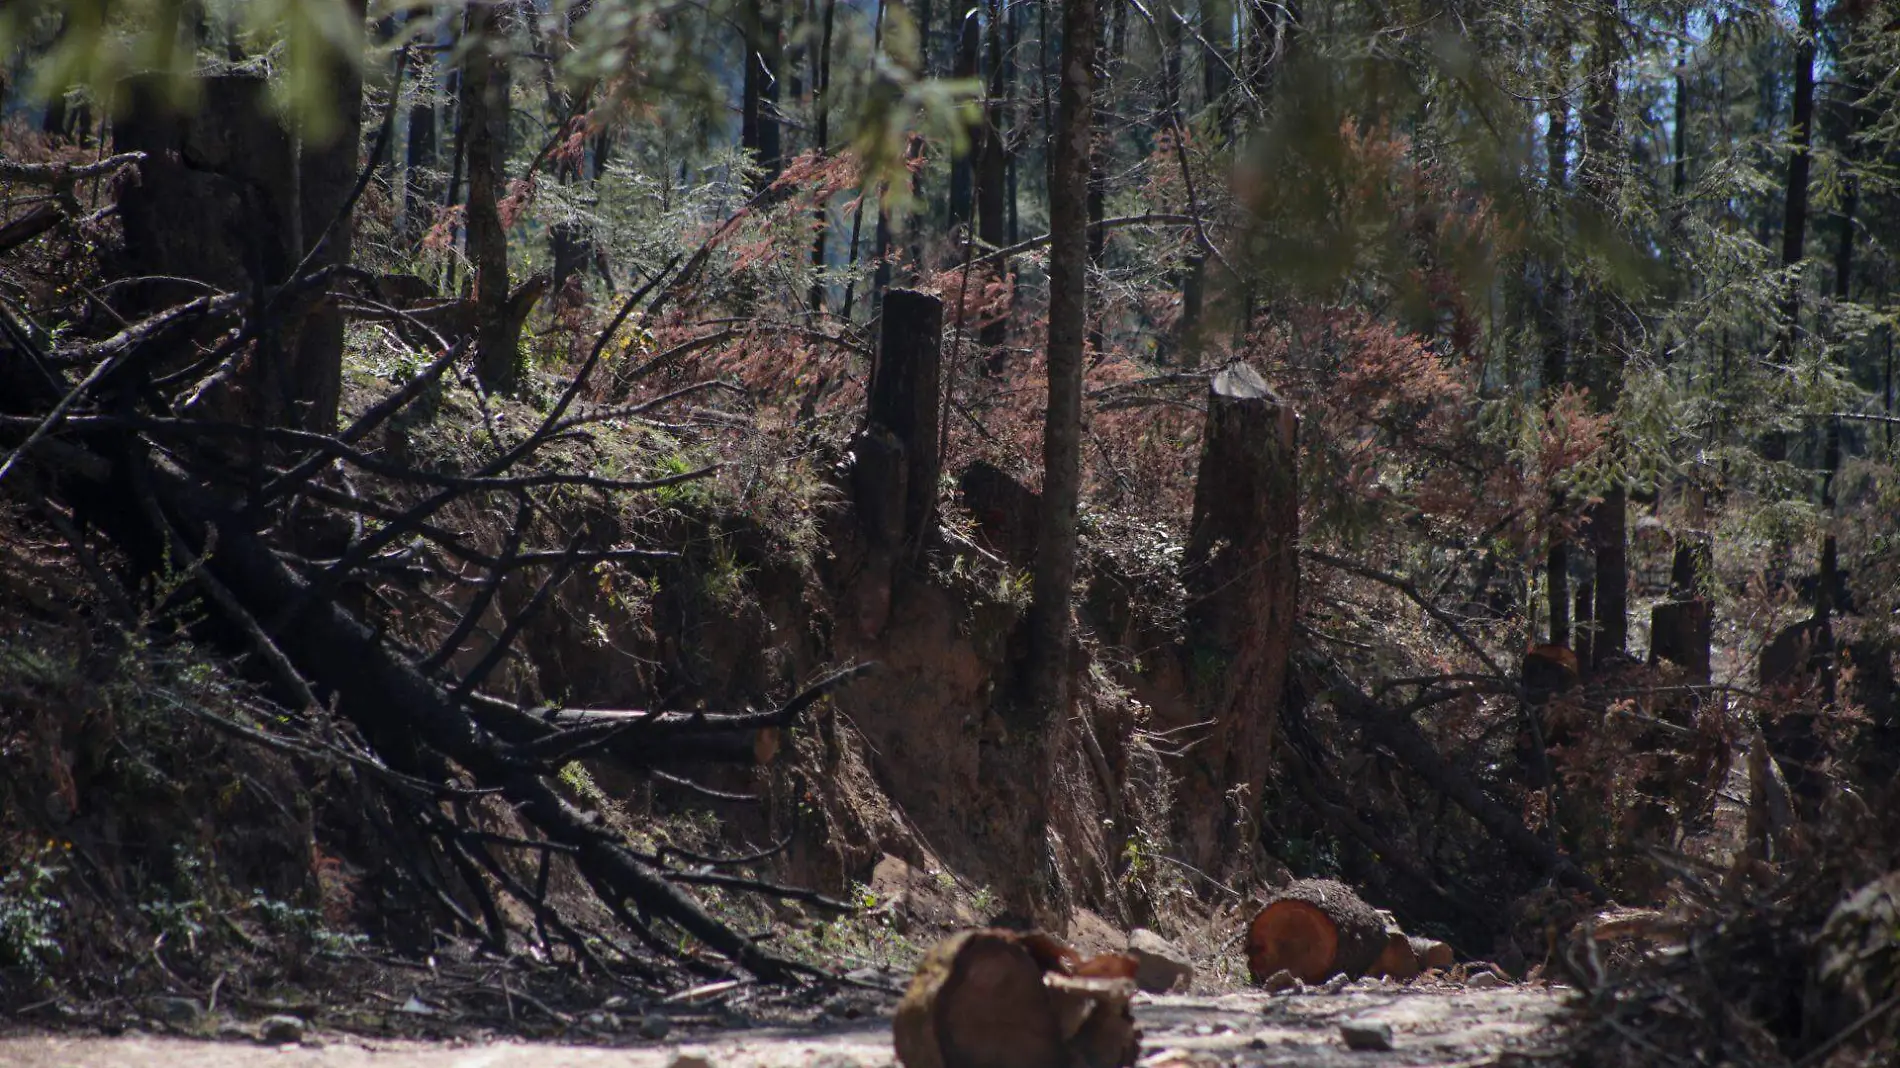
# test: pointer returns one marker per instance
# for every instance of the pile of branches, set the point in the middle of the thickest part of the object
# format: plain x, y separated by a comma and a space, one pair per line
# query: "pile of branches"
1742, 974
97, 431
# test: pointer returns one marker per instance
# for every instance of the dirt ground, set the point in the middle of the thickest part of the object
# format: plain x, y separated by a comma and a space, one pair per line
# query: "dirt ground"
1432, 1026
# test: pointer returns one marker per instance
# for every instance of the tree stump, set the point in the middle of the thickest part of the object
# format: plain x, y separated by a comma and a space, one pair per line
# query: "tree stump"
1316, 929
1004, 509
895, 463
1681, 628
906, 395
231, 161
1680, 633
1241, 572
1006, 999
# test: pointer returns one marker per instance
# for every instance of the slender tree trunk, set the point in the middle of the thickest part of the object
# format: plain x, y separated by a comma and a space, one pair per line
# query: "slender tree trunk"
1608, 518
1828, 585
962, 164
1217, 33
758, 122
992, 168
1794, 212
326, 175
485, 86
1049, 622
821, 141
857, 214
1556, 307
1795, 737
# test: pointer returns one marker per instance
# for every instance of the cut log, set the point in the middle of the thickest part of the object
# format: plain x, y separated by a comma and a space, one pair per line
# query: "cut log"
1432, 953
1004, 999
1315, 929
1398, 961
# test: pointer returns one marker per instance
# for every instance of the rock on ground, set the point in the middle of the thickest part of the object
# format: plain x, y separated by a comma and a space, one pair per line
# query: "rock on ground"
1160, 964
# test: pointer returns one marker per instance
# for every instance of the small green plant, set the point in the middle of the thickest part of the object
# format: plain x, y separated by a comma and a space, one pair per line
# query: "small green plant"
30, 911
724, 576
983, 901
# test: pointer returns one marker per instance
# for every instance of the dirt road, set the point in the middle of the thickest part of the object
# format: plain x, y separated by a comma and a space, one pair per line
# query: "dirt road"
1431, 1027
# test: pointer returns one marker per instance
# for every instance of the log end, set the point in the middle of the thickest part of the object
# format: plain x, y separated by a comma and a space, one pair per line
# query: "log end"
1294, 936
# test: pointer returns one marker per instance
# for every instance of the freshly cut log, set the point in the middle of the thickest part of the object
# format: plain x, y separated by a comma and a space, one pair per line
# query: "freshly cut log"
1006, 999
1432, 954
1315, 929
1398, 960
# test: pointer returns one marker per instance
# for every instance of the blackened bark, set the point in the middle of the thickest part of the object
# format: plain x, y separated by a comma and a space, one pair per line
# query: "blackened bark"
962, 164
485, 86
905, 398
821, 141
327, 176
1241, 573
1556, 317
759, 124
230, 161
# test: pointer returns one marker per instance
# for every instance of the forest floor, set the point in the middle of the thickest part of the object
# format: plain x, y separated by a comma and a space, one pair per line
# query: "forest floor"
1431, 1025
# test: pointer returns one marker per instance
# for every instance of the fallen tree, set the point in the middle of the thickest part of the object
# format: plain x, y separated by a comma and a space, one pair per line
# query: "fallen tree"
94, 426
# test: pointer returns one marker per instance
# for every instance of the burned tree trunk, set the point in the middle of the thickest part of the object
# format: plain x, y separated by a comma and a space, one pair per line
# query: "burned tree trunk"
327, 179
1681, 628
485, 113
230, 160
906, 394
992, 174
1242, 578
759, 116
895, 459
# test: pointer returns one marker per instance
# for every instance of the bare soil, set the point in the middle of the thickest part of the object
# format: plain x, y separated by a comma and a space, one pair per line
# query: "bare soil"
1438, 1026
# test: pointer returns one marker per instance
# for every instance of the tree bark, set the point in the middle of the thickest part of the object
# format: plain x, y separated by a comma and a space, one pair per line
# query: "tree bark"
1049, 613
231, 161
1241, 572
485, 86
962, 164
905, 398
759, 125
1608, 518
821, 141
1556, 315
992, 169
327, 177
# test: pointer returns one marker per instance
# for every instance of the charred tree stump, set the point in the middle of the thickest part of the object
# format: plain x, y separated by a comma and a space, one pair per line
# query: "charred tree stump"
229, 160
895, 461
1242, 579
1316, 929
906, 396
1681, 628
1789, 667
1004, 510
